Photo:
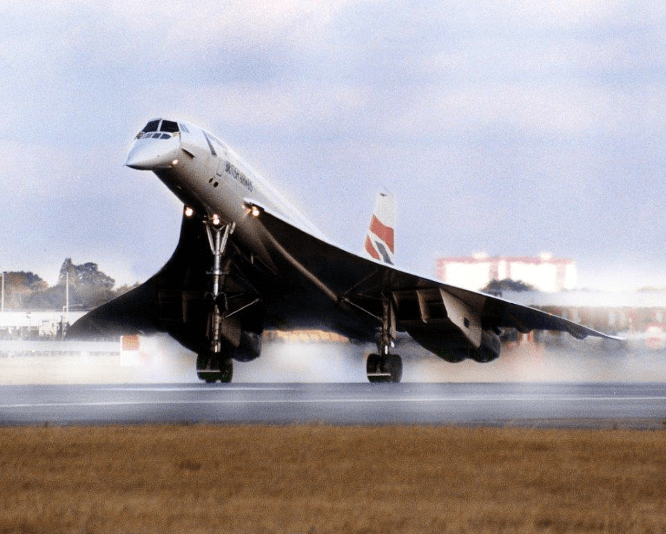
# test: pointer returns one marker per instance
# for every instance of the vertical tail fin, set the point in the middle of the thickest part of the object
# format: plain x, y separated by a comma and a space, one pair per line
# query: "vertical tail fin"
379, 243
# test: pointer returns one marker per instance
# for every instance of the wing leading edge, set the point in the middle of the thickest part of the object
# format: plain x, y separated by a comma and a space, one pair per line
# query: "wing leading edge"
160, 304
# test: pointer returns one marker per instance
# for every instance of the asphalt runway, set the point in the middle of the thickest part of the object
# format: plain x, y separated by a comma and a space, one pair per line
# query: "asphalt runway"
563, 405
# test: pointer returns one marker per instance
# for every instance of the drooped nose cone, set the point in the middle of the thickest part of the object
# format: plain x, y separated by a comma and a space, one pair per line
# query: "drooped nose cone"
151, 154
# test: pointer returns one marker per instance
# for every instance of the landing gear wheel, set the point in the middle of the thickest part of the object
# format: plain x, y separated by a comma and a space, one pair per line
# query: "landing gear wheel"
214, 367
372, 369
226, 371
383, 370
394, 366
205, 369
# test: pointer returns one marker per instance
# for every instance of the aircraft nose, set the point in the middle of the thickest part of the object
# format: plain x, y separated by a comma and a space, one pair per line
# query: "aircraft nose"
150, 154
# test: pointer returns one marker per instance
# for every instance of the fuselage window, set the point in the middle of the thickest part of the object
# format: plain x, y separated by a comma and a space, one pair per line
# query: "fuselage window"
157, 135
169, 126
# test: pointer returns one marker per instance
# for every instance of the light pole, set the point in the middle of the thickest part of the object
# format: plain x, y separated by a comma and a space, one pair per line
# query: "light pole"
66, 301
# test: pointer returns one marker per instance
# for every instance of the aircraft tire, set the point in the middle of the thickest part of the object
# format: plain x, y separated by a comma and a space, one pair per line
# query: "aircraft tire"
392, 365
372, 365
395, 368
226, 371
209, 378
203, 366
207, 369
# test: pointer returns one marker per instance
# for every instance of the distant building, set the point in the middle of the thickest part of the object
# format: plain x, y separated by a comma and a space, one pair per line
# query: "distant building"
35, 324
544, 272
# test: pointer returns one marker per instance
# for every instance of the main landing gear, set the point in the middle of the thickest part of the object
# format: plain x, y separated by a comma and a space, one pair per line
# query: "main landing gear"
385, 367
212, 363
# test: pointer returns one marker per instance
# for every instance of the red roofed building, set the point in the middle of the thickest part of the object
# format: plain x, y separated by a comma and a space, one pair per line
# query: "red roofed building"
544, 272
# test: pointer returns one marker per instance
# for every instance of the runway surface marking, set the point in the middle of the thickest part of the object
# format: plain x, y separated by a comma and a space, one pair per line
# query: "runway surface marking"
199, 388
331, 401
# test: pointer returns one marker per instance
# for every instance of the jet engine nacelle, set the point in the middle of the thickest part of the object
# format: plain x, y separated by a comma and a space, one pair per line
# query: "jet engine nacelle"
454, 349
248, 349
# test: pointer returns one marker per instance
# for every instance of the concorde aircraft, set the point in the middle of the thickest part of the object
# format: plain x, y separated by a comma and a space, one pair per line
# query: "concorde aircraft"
247, 260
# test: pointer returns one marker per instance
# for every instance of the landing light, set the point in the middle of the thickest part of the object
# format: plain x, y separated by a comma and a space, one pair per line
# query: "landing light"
174, 162
255, 211
189, 212
216, 220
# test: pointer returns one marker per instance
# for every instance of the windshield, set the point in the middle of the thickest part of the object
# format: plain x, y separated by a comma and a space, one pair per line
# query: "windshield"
151, 126
150, 130
169, 126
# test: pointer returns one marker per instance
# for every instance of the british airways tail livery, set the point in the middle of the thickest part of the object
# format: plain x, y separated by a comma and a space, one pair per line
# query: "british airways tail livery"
247, 260
379, 243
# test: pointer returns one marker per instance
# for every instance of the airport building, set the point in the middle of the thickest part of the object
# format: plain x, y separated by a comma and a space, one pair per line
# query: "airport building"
543, 273
16, 324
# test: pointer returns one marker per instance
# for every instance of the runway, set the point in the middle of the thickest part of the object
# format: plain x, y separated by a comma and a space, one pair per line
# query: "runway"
564, 405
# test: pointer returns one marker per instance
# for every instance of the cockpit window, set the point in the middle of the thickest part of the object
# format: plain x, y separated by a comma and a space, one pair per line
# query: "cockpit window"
169, 126
151, 126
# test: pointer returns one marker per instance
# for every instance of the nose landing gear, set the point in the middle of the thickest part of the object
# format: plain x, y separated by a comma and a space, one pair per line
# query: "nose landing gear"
212, 364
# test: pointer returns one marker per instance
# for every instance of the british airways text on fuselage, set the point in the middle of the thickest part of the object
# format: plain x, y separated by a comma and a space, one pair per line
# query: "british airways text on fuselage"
237, 175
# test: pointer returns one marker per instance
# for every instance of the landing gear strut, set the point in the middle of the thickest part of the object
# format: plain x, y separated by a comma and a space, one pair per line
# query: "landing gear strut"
385, 367
212, 364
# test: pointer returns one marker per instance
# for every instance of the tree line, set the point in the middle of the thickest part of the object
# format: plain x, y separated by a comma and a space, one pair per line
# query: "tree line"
88, 288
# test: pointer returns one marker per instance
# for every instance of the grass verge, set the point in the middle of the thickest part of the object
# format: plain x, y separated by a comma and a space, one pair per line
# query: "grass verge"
321, 479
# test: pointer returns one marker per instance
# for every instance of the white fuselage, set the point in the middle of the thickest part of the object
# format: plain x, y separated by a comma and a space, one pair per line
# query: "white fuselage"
212, 180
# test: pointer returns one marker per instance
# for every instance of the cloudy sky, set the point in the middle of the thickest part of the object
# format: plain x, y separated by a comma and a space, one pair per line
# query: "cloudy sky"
506, 127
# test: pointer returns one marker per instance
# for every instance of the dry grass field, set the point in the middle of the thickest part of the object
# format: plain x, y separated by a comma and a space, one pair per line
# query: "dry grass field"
320, 479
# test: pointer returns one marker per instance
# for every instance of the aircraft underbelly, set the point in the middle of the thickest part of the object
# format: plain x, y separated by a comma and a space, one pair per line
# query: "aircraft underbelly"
308, 310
